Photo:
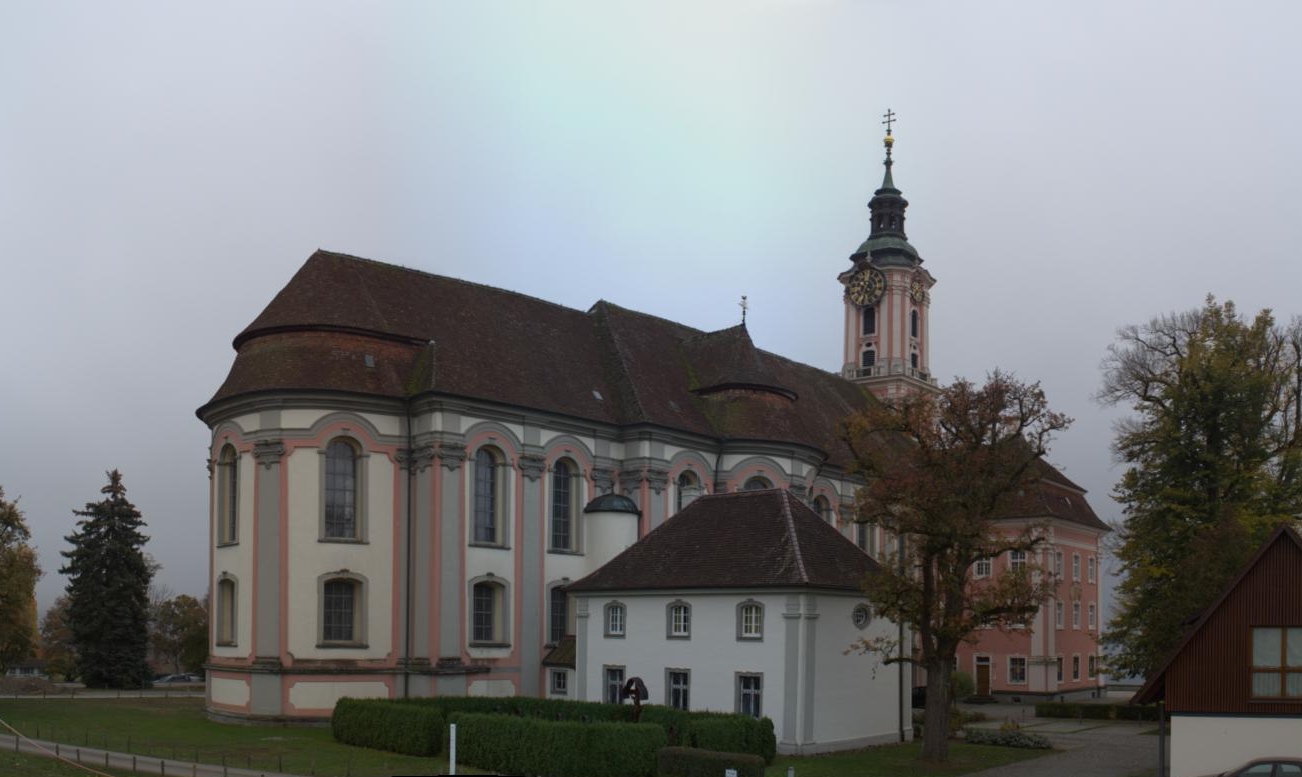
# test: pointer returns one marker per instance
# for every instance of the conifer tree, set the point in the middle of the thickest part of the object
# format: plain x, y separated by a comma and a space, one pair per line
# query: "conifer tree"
18, 574
1214, 464
108, 585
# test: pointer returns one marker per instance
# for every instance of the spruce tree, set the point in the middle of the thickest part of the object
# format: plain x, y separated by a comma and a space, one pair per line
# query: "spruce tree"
108, 591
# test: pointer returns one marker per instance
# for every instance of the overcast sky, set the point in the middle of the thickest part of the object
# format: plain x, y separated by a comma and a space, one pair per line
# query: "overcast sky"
166, 167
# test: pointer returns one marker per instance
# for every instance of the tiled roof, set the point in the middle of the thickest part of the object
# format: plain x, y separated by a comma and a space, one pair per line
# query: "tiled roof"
745, 539
563, 654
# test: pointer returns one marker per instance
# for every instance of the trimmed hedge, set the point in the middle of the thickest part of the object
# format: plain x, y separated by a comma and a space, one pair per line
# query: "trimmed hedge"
978, 736
547, 748
384, 725
693, 762
709, 730
1059, 709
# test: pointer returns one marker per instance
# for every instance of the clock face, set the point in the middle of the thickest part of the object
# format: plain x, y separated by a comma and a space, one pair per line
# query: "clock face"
866, 286
917, 291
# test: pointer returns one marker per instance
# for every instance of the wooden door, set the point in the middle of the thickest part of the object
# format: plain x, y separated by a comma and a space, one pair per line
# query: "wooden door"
983, 679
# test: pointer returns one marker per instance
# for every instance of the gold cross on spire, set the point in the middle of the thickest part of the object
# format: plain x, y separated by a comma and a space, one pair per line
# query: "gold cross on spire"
888, 119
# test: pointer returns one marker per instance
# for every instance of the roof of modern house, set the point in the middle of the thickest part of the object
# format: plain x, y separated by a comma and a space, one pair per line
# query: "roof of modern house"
744, 539
1282, 549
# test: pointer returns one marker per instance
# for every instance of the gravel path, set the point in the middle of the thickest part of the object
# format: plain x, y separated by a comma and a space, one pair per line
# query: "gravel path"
1091, 748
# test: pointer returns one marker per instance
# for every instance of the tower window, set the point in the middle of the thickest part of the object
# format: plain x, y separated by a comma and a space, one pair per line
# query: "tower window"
870, 320
913, 323
913, 358
869, 358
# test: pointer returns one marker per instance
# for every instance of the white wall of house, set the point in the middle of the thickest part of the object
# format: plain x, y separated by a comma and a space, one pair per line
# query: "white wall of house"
1211, 744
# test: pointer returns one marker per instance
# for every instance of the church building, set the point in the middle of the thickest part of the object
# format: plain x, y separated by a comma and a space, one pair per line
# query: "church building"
408, 471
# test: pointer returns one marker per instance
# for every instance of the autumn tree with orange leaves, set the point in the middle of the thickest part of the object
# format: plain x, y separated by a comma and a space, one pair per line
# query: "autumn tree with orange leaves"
945, 471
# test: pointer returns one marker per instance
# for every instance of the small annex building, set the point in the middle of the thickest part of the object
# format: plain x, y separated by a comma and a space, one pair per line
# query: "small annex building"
744, 602
1233, 688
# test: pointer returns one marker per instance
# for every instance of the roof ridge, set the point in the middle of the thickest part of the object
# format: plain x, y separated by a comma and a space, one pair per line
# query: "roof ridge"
795, 539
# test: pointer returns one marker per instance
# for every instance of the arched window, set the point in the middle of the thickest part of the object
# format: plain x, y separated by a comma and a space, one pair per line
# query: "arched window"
824, 508
341, 611
679, 620
341, 492
750, 620
489, 507
616, 618
560, 614
225, 635
689, 487
913, 359
488, 611
228, 496
756, 483
870, 320
868, 359
913, 323
565, 499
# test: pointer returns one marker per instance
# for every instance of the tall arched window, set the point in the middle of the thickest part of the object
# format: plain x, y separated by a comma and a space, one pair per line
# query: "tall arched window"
228, 495
225, 611
689, 487
488, 614
489, 508
870, 320
560, 614
913, 323
341, 491
823, 508
564, 500
341, 611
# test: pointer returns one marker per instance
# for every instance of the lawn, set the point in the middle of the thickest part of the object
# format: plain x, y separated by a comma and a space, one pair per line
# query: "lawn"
177, 728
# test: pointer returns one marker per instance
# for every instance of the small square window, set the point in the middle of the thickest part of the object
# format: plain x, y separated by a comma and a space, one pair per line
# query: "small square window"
982, 568
560, 682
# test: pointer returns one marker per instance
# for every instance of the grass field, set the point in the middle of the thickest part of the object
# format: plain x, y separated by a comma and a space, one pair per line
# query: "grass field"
177, 728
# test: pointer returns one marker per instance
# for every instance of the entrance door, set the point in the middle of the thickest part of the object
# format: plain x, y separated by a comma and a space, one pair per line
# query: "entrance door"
983, 676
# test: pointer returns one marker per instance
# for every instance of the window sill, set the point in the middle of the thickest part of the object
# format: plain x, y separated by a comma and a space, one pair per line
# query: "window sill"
683, 637
565, 552
226, 644
344, 540
489, 545
613, 636
755, 638
227, 543
342, 645
490, 644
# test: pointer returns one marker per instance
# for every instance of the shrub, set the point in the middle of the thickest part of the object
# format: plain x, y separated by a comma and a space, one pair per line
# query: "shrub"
734, 734
530, 745
978, 736
384, 725
1058, 709
693, 762
962, 684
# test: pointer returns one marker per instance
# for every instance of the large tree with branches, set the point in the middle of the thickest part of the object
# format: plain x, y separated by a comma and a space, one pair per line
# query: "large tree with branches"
18, 574
1214, 463
946, 472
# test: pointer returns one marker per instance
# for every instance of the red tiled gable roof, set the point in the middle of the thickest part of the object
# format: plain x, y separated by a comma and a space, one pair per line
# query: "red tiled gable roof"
745, 539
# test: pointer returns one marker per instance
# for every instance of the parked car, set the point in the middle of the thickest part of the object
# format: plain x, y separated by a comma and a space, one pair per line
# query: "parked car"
1266, 767
179, 679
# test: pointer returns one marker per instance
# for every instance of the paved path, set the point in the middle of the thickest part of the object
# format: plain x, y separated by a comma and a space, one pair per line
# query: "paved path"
1091, 748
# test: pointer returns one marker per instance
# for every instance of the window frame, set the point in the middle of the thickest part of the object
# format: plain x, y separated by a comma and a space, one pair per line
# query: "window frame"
1059, 612
1075, 667
1075, 567
743, 634
823, 506
1282, 670
1012, 677
1057, 564
358, 589
741, 694
686, 484
756, 483
359, 491
1016, 560
491, 518
555, 688
228, 496
671, 622
678, 696
226, 624
983, 568
564, 517
914, 326
1075, 615
499, 620
611, 691
868, 359
1091, 569
1060, 665
606, 612
868, 321
557, 631
1092, 617
1092, 666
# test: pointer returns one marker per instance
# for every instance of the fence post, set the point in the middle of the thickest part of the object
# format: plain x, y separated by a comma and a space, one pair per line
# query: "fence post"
452, 749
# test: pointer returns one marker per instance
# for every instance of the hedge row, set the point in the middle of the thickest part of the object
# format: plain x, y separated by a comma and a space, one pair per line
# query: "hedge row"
693, 762
706, 730
546, 748
1061, 709
384, 725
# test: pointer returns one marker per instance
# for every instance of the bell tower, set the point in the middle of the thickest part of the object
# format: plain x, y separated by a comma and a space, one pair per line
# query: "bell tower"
887, 299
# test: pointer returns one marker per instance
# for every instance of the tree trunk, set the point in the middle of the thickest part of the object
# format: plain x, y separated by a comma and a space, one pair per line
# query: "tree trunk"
935, 728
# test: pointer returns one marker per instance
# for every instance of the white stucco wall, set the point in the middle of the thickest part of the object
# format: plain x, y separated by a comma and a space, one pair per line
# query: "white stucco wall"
230, 691
855, 695
321, 695
1207, 745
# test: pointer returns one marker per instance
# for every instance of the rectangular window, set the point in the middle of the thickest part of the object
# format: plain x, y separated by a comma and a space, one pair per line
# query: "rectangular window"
1075, 567
750, 617
614, 620
560, 612
1075, 615
225, 612
560, 682
1057, 563
338, 625
1057, 613
1075, 667
1016, 560
1093, 620
677, 687
680, 620
983, 568
614, 683
1093, 666
1017, 670
1277, 662
1092, 569
1059, 663
750, 695
485, 613
869, 322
